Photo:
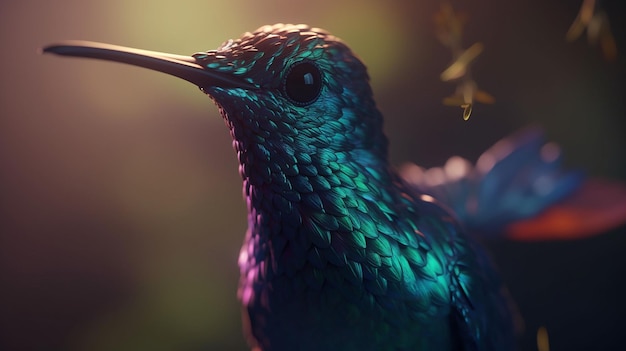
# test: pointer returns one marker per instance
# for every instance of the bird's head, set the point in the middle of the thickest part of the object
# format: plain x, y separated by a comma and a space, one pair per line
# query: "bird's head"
283, 90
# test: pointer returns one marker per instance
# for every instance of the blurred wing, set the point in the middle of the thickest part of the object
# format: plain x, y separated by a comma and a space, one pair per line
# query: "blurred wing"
519, 188
595, 207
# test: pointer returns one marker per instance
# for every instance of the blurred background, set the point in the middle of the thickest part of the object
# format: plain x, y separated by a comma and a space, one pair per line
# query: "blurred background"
121, 212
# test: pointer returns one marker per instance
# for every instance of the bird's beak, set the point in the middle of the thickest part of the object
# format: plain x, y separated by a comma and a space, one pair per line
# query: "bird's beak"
185, 67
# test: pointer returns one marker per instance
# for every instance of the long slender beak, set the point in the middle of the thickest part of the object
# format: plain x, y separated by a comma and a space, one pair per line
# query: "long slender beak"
185, 67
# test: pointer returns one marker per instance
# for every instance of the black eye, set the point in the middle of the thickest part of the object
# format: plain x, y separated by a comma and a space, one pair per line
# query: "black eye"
303, 83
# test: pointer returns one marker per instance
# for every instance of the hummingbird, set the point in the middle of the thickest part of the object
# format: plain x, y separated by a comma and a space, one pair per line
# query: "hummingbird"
343, 251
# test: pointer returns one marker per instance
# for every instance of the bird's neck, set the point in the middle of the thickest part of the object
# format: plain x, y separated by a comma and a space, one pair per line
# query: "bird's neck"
305, 178
300, 156
300, 196
277, 176
315, 212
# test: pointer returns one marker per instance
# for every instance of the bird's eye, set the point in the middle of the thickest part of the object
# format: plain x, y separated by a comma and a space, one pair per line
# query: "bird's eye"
303, 83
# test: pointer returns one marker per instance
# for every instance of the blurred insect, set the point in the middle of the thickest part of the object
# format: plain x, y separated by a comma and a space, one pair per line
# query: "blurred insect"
449, 31
593, 18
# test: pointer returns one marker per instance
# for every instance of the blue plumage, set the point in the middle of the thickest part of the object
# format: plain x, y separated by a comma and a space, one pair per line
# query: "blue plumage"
517, 178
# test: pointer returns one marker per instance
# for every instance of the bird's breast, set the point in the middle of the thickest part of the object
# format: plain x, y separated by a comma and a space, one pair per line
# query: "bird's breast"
342, 264
299, 296
294, 313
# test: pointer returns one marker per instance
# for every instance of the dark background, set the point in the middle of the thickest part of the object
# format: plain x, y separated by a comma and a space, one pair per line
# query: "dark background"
120, 202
